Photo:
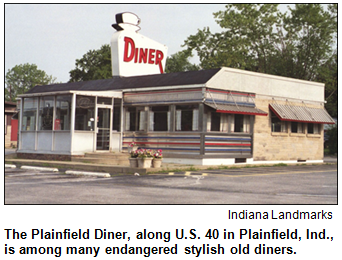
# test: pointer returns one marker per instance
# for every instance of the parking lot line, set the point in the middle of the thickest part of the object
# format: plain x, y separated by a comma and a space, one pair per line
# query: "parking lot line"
237, 175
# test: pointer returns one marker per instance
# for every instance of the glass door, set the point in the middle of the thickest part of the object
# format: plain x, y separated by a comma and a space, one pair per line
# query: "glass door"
103, 129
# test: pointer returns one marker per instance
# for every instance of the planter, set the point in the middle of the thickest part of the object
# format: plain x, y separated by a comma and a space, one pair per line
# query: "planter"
133, 162
156, 163
145, 162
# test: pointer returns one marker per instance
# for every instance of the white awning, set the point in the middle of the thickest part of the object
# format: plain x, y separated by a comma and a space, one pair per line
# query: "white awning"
302, 114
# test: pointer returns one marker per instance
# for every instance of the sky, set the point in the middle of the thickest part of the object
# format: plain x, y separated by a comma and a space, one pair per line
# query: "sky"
53, 36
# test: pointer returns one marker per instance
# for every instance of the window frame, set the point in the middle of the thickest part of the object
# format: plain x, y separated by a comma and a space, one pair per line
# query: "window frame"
277, 123
164, 110
58, 124
181, 120
34, 110
90, 113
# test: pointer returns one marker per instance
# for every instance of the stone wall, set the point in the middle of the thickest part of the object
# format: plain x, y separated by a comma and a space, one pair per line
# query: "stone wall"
271, 146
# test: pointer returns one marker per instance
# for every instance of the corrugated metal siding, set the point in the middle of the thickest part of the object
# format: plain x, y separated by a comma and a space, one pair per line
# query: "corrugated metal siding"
302, 114
224, 145
161, 97
234, 145
233, 109
168, 142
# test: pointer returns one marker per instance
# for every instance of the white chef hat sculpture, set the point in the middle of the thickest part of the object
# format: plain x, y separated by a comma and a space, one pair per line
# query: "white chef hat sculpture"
126, 21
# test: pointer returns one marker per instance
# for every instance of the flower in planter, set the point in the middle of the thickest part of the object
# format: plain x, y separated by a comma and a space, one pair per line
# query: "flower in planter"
145, 153
134, 154
158, 154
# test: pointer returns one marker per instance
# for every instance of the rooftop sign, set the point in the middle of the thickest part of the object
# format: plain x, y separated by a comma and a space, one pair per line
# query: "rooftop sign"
132, 53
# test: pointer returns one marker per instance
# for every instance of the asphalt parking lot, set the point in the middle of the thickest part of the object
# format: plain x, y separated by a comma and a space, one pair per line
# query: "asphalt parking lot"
311, 184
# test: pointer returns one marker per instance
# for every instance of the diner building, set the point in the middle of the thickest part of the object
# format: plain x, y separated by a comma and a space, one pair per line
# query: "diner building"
208, 117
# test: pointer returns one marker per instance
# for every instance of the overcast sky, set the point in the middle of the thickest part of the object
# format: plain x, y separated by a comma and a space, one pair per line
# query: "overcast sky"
54, 36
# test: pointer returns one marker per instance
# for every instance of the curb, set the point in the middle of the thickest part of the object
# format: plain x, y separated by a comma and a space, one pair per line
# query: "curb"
96, 174
39, 168
10, 166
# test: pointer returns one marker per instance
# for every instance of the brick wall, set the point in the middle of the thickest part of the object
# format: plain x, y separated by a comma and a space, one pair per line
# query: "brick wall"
272, 146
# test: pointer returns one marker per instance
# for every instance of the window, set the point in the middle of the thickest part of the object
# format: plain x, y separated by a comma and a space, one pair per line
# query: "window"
135, 119
117, 115
160, 118
240, 123
313, 128
63, 112
85, 113
104, 101
276, 124
29, 114
217, 122
187, 118
45, 119
297, 127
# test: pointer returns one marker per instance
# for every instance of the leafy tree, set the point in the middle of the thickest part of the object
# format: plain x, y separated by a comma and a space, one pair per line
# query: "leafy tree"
260, 38
247, 41
332, 139
310, 33
327, 73
95, 64
21, 78
180, 62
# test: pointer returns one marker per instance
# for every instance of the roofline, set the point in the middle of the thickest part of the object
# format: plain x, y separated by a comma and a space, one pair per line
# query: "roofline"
164, 87
264, 75
82, 92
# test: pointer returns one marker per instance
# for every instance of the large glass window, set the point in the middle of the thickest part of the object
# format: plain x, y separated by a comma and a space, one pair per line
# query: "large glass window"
187, 118
117, 115
85, 113
276, 124
45, 119
63, 112
159, 118
29, 114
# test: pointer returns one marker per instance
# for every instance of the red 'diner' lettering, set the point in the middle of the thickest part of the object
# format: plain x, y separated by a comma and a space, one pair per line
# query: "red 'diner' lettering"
142, 55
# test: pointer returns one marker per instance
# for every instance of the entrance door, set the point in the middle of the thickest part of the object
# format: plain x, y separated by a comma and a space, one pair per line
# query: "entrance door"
103, 129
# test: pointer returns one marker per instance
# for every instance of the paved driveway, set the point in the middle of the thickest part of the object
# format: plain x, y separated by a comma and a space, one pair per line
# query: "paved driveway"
263, 185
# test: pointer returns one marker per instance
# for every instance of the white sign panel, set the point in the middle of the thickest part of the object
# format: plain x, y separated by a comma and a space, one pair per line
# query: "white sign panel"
134, 54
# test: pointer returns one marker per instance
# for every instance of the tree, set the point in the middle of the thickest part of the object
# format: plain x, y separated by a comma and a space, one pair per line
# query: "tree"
95, 64
260, 38
327, 73
21, 78
332, 141
310, 32
180, 62
247, 41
